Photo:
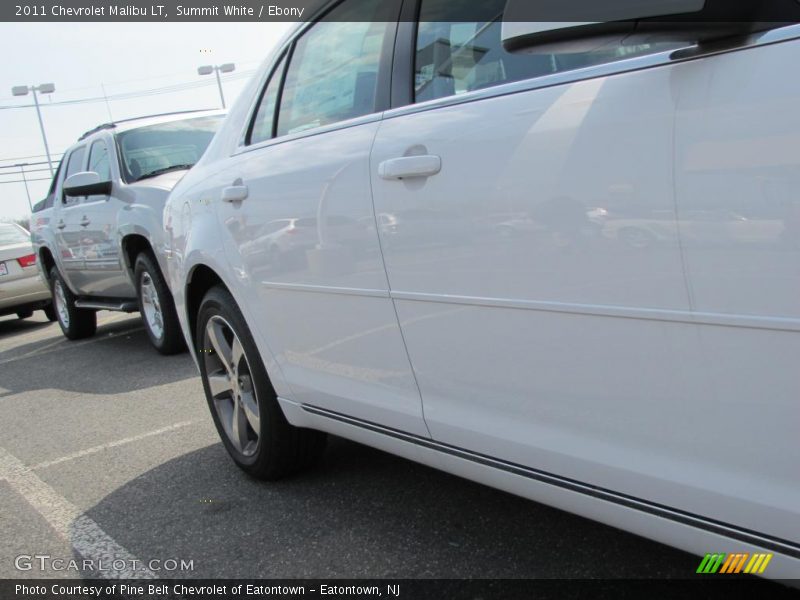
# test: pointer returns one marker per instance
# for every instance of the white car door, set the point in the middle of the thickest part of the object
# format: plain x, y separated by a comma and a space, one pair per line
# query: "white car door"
535, 337
738, 153
299, 226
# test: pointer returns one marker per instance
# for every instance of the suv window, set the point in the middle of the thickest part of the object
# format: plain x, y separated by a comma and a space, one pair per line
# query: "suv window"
333, 72
151, 150
454, 56
264, 123
98, 160
74, 165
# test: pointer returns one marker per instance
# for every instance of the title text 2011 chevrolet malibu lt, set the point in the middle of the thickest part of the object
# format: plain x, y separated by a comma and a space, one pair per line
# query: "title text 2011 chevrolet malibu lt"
564, 268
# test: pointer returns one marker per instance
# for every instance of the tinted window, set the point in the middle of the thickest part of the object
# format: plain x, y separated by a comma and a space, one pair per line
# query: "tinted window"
333, 72
75, 162
74, 165
454, 57
98, 160
264, 123
154, 149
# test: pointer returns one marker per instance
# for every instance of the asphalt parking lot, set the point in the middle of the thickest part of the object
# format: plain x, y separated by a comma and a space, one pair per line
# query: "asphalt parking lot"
107, 450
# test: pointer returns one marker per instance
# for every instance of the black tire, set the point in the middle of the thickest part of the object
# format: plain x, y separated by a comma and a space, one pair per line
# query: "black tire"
170, 339
281, 449
50, 313
24, 314
81, 322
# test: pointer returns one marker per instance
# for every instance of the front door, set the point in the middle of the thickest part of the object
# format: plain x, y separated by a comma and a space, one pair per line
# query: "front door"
300, 229
104, 271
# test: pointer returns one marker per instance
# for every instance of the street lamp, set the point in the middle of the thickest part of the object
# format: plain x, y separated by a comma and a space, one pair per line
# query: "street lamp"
45, 88
217, 69
25, 181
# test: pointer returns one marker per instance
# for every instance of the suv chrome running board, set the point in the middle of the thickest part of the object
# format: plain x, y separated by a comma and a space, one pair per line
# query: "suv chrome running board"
118, 305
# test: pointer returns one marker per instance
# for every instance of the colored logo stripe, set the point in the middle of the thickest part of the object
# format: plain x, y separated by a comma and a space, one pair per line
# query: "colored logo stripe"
710, 563
734, 563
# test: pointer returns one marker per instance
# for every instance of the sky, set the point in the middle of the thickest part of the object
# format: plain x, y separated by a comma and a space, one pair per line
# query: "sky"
93, 60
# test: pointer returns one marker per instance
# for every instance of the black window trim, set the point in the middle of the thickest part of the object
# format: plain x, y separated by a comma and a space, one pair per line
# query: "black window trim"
403, 67
283, 61
383, 86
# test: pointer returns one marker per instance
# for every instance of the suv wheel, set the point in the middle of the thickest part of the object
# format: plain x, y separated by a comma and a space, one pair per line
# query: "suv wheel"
76, 323
157, 307
241, 398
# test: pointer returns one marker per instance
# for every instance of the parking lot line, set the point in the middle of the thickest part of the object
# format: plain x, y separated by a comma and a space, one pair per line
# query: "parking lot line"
107, 445
84, 534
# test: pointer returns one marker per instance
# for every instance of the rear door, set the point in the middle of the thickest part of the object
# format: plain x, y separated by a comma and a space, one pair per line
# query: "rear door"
536, 333
299, 224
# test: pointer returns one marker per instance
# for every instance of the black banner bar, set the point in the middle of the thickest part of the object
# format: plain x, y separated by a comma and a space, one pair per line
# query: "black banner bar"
708, 587
783, 11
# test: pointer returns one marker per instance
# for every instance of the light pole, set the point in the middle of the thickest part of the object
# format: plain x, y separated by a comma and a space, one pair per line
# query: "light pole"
25, 181
45, 88
217, 69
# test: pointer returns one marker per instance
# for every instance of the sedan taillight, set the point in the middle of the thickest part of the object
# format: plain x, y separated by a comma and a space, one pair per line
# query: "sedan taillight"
27, 261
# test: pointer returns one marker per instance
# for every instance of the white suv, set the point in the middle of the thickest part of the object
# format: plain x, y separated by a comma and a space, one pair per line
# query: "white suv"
99, 235
649, 385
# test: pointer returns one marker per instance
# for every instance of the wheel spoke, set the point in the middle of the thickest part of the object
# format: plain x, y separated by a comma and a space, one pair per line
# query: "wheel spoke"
220, 345
219, 383
239, 427
236, 355
250, 407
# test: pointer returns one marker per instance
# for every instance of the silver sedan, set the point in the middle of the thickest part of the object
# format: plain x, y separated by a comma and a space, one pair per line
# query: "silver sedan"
22, 289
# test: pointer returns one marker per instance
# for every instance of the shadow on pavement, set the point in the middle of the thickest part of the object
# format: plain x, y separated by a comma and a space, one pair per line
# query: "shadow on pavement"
119, 358
362, 513
12, 325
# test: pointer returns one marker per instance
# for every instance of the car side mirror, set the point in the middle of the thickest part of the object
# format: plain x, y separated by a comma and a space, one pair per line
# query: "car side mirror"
86, 183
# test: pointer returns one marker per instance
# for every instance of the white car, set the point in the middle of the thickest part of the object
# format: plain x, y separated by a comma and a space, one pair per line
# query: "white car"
656, 391
22, 288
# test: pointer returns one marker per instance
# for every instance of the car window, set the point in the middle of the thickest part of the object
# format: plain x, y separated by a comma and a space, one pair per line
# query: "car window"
333, 71
98, 160
74, 165
264, 123
154, 149
454, 57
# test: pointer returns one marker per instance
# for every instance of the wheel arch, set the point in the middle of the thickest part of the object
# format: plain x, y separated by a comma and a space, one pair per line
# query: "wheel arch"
201, 279
46, 262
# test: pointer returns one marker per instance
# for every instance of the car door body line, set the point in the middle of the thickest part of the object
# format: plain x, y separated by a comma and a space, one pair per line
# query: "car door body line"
747, 536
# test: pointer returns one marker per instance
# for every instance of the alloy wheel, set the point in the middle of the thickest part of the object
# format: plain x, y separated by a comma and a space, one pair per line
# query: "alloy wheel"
230, 382
151, 306
60, 300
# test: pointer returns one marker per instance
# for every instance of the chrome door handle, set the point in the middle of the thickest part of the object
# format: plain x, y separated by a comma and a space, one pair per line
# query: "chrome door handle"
85, 222
410, 166
235, 193
61, 225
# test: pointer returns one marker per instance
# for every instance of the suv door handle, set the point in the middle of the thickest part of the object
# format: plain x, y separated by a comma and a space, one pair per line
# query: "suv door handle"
85, 222
410, 166
235, 193
61, 224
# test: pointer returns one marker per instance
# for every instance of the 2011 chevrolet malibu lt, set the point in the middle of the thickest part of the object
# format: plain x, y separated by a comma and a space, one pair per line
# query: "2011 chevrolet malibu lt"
561, 259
